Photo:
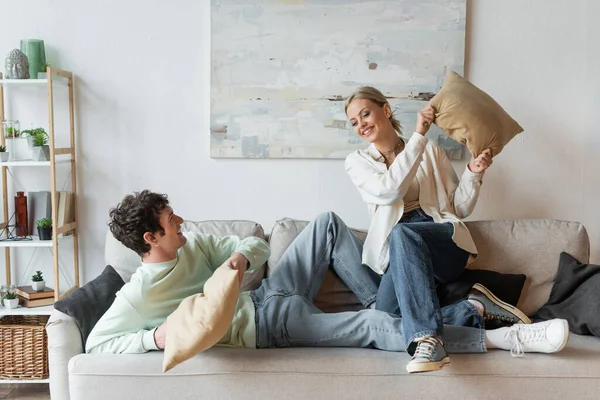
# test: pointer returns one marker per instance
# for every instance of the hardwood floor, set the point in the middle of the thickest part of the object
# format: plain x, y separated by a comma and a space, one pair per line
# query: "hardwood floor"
37, 391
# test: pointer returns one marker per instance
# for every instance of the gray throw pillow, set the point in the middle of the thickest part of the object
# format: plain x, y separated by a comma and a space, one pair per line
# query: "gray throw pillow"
87, 304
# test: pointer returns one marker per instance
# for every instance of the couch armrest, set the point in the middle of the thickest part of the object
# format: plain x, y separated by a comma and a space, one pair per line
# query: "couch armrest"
64, 342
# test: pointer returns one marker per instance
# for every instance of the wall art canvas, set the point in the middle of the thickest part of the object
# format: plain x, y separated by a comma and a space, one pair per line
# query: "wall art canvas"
281, 69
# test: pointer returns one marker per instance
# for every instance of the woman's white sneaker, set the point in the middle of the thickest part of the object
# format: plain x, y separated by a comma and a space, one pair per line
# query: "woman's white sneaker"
542, 337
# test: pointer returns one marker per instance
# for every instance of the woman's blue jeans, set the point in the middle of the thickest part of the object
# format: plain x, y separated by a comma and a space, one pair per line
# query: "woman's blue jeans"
422, 253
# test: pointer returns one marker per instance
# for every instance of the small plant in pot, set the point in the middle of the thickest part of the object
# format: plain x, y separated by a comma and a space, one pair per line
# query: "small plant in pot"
41, 150
37, 281
11, 300
3, 154
44, 227
30, 134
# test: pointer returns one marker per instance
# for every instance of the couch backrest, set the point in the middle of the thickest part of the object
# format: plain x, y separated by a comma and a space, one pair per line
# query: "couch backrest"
531, 247
126, 261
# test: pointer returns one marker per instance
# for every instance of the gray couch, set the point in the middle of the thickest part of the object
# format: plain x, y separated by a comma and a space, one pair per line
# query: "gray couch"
525, 246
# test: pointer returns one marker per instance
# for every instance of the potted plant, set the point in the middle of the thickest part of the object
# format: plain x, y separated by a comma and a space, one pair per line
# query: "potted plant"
3, 154
37, 281
41, 150
11, 300
30, 134
44, 227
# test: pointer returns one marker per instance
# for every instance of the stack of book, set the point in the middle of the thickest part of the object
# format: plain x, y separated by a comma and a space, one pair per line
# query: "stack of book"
34, 298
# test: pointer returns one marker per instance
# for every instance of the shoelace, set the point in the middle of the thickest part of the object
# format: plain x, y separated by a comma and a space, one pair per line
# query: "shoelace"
426, 347
522, 334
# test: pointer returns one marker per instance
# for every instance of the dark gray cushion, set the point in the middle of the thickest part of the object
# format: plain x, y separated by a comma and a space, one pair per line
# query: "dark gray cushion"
88, 303
507, 287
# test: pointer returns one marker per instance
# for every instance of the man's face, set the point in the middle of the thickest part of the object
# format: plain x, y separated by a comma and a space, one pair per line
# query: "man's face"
172, 239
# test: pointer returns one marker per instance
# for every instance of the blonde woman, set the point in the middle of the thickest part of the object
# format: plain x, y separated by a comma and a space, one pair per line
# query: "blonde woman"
416, 237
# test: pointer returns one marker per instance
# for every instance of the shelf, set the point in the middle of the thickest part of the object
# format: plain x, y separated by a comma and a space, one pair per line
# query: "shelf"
35, 242
2, 381
20, 310
33, 82
32, 163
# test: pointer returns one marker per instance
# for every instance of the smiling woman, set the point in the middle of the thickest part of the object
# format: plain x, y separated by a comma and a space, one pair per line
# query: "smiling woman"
416, 236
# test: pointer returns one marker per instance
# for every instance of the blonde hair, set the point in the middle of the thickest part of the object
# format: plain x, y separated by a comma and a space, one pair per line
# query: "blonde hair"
374, 95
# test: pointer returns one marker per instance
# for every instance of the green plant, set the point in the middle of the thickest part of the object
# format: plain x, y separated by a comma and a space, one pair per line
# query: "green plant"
33, 132
44, 223
37, 277
9, 296
11, 132
2, 149
40, 139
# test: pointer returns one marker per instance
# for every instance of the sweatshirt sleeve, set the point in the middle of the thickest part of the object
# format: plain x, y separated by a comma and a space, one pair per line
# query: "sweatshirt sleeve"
462, 194
219, 248
121, 330
385, 188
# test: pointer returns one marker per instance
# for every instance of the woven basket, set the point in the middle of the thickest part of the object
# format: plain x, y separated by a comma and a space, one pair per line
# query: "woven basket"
23, 347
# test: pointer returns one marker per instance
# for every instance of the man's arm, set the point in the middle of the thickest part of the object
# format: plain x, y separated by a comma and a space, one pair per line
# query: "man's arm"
221, 249
121, 330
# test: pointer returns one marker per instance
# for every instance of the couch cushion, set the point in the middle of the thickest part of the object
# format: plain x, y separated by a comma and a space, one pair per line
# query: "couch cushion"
334, 295
126, 261
530, 247
337, 373
87, 304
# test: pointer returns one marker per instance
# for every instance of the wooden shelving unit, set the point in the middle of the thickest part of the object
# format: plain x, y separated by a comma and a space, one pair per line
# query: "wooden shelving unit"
57, 156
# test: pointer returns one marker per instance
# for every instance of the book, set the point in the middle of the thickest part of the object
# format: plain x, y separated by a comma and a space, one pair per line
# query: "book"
28, 293
40, 206
36, 303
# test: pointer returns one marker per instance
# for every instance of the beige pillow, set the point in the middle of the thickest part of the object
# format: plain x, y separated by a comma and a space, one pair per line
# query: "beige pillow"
203, 319
470, 116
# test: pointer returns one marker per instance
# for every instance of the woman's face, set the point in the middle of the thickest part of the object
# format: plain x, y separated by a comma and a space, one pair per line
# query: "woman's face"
369, 120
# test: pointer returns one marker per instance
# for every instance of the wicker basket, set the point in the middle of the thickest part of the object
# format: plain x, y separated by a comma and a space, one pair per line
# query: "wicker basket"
23, 347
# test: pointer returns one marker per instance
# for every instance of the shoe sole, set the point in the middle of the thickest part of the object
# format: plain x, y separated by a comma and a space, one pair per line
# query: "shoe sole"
511, 309
428, 366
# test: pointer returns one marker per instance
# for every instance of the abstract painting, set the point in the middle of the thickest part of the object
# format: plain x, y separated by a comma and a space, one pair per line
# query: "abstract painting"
281, 70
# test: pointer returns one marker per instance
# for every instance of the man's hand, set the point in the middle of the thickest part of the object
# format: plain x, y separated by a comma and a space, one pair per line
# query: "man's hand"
160, 336
240, 263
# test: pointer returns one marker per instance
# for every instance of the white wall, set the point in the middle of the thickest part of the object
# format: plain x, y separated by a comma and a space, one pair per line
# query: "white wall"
143, 114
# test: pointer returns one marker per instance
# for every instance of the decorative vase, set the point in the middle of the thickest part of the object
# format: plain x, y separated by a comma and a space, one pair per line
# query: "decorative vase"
4, 156
36, 54
21, 212
45, 233
11, 304
39, 285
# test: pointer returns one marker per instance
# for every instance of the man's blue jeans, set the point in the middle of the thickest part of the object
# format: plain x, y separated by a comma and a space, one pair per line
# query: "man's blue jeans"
422, 253
285, 313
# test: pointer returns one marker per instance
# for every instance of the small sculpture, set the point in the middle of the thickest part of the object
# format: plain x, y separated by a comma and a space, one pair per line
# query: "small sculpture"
17, 65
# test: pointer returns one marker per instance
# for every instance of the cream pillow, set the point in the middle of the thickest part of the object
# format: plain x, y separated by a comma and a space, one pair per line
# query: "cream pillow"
471, 117
203, 319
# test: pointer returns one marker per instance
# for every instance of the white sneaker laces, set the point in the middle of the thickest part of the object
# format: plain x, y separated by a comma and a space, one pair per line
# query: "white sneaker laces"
522, 335
426, 347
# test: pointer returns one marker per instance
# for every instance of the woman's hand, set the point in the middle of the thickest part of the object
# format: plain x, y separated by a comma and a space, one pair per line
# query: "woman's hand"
482, 162
425, 118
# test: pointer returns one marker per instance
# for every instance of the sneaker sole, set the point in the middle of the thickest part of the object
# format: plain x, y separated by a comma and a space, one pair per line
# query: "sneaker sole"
427, 366
511, 309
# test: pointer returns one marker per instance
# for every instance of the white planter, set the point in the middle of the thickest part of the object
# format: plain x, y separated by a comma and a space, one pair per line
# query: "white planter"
4, 156
41, 153
38, 285
11, 303
18, 148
